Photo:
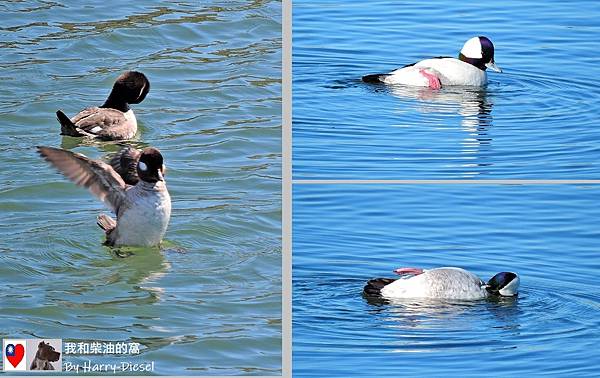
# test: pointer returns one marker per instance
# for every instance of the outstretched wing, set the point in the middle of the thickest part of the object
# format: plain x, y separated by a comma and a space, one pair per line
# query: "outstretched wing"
98, 177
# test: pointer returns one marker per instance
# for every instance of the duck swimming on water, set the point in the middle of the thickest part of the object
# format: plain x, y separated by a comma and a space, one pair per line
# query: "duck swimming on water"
442, 283
114, 120
468, 69
143, 207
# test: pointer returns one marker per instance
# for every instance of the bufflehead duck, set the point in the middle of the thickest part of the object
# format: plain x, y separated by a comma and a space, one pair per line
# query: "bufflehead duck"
442, 283
143, 210
125, 163
469, 69
114, 120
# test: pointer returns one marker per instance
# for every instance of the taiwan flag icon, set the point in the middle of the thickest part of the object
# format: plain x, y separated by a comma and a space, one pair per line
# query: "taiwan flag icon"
13, 354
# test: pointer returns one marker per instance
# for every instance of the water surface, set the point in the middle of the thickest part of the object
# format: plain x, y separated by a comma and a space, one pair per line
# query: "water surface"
346, 235
536, 120
209, 302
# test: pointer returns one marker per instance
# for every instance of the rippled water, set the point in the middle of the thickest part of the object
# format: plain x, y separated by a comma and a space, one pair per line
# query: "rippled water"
538, 119
346, 235
209, 302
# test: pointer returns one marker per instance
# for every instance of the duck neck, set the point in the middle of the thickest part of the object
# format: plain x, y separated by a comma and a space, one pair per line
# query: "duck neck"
477, 62
116, 101
151, 186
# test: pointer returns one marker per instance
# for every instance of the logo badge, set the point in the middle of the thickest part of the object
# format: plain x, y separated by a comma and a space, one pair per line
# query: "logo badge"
13, 357
44, 354
31, 354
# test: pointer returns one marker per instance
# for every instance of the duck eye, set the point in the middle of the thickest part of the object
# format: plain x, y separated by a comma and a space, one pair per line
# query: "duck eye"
142, 166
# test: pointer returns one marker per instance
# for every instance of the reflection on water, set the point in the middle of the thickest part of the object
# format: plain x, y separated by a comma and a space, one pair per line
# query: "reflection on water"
474, 107
69, 143
413, 312
414, 324
142, 266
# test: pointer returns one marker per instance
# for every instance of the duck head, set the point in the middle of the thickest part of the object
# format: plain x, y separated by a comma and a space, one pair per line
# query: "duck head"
131, 87
150, 167
505, 284
479, 51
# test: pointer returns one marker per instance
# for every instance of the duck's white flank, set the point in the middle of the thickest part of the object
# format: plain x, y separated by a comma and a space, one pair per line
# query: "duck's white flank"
447, 283
450, 71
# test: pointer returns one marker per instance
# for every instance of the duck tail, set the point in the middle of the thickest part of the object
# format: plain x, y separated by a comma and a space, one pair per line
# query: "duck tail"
66, 126
106, 223
374, 286
374, 78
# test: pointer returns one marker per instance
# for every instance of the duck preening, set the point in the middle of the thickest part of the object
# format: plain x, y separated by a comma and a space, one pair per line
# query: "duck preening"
442, 283
114, 120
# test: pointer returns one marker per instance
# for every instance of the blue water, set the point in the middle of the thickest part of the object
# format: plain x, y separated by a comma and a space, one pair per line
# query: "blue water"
538, 119
209, 301
345, 235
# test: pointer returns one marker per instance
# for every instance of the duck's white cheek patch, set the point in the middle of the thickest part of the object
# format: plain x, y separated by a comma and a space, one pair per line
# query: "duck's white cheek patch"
472, 48
142, 166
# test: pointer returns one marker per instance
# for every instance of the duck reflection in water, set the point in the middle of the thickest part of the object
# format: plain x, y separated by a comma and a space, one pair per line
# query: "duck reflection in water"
502, 313
472, 105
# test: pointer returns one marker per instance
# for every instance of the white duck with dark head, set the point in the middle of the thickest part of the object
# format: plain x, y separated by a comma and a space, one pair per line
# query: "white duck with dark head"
468, 69
442, 283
